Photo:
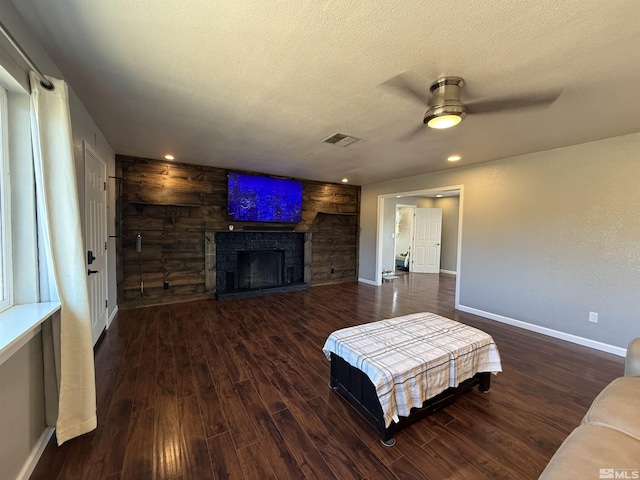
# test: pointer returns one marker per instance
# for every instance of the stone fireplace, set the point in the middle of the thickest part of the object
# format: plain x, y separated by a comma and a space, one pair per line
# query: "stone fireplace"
244, 264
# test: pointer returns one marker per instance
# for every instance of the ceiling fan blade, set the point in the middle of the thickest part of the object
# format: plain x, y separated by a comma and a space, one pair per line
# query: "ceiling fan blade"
409, 88
411, 134
512, 103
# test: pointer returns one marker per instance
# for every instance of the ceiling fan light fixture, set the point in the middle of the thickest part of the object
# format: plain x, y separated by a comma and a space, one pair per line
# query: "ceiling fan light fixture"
445, 110
444, 121
445, 116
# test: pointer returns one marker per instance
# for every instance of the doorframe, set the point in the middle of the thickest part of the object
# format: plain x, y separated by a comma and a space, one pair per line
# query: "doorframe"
380, 228
395, 236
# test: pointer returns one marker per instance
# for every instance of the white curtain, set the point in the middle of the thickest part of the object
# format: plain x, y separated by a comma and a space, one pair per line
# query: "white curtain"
68, 343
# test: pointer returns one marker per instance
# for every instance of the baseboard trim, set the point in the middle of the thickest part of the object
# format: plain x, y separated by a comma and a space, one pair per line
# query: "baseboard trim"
368, 282
450, 272
112, 316
585, 342
31, 462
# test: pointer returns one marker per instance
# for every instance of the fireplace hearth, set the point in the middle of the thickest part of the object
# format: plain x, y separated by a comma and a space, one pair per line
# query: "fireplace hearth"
255, 263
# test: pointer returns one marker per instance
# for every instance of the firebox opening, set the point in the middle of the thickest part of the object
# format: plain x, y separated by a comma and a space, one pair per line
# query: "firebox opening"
260, 269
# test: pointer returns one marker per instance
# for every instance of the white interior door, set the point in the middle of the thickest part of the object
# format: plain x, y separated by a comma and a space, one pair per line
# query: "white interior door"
426, 241
95, 195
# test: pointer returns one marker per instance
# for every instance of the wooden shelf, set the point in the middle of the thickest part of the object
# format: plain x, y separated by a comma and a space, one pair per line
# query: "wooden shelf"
338, 213
237, 230
182, 205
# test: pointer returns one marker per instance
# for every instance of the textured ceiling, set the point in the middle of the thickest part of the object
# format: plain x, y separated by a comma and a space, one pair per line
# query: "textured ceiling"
257, 85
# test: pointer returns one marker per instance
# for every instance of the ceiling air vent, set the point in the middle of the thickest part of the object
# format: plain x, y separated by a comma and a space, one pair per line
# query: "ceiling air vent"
340, 140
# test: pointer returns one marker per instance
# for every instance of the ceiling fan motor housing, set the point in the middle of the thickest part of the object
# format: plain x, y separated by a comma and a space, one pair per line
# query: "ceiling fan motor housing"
445, 99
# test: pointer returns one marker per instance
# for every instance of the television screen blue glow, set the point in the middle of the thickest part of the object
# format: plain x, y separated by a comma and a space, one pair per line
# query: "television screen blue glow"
253, 198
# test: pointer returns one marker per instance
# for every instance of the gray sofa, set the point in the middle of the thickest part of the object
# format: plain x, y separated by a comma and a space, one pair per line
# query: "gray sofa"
607, 442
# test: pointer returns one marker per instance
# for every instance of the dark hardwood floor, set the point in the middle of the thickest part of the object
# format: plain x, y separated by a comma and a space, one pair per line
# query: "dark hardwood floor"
239, 389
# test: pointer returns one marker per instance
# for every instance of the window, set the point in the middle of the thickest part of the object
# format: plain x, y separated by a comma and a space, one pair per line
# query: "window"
6, 297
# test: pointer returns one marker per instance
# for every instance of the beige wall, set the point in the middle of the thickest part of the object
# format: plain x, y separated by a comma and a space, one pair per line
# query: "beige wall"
22, 407
546, 237
449, 240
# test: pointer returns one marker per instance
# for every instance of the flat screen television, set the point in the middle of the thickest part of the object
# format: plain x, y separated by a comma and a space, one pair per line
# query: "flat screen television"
255, 198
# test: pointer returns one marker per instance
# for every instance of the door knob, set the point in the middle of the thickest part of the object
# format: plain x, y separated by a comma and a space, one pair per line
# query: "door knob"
90, 257
89, 272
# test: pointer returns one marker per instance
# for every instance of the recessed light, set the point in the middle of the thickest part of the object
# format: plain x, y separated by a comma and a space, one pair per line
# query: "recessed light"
438, 196
169, 157
454, 158
345, 180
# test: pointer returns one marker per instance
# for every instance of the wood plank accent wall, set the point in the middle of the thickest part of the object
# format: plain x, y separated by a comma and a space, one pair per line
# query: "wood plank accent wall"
172, 205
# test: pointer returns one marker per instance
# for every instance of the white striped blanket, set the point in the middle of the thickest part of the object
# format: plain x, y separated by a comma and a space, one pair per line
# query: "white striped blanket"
412, 358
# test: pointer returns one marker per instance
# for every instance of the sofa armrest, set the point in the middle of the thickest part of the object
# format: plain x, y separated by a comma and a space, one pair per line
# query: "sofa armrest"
632, 362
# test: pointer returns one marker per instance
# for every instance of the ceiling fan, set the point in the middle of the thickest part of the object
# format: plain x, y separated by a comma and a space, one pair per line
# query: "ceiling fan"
445, 109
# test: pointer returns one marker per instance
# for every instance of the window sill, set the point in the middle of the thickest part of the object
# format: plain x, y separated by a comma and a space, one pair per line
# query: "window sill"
21, 323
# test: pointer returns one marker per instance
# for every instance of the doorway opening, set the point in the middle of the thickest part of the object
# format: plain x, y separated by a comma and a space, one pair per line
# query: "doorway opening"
403, 237
389, 246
